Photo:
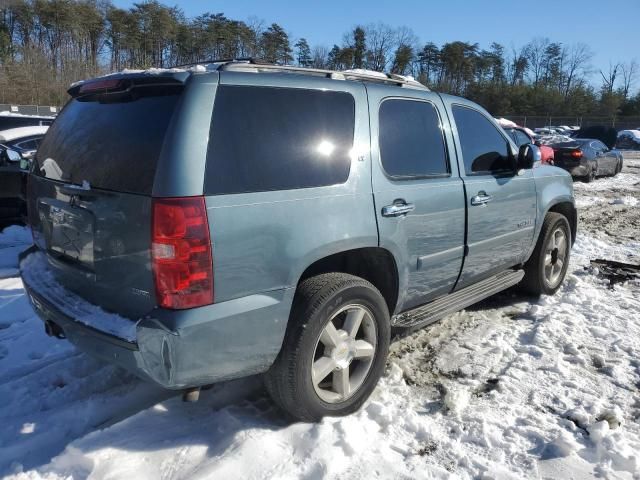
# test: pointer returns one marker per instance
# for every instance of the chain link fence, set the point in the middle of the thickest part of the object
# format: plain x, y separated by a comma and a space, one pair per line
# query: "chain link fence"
42, 110
537, 121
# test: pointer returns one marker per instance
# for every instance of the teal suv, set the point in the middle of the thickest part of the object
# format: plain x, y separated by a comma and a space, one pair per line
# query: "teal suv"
233, 219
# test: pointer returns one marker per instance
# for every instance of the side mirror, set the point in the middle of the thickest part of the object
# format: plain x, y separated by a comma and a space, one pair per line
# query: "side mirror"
12, 155
528, 155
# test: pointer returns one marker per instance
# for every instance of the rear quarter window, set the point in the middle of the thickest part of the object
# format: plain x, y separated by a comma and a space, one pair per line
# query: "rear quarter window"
265, 138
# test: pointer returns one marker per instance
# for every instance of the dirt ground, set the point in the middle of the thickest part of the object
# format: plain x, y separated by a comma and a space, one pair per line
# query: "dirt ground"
613, 212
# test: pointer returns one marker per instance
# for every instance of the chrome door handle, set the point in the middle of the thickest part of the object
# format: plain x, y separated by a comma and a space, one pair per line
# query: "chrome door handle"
397, 209
481, 199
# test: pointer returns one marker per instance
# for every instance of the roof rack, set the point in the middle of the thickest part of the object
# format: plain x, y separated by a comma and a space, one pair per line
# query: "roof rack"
219, 61
250, 64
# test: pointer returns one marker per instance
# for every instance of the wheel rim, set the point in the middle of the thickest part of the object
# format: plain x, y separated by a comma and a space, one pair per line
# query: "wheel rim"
555, 257
344, 353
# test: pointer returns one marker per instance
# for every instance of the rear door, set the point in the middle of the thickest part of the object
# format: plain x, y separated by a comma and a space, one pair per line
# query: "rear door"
419, 198
501, 203
90, 194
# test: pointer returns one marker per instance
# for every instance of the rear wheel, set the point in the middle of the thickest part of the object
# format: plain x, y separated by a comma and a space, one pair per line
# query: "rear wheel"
547, 267
591, 176
335, 348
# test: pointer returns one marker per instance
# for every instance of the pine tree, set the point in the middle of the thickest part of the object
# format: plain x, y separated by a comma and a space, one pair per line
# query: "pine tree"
402, 59
275, 45
359, 47
304, 53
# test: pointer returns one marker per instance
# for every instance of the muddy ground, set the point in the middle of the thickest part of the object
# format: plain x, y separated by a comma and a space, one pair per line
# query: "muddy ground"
609, 208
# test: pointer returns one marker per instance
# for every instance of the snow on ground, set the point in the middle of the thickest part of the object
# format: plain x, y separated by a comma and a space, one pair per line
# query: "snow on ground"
514, 387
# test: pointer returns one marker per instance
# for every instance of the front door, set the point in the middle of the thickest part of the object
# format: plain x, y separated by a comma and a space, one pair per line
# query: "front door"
419, 196
606, 159
501, 203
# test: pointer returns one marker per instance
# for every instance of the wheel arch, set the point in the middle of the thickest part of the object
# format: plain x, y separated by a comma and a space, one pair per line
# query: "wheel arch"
374, 264
568, 210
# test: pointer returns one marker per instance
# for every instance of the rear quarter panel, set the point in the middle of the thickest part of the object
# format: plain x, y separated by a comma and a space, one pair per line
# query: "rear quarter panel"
263, 241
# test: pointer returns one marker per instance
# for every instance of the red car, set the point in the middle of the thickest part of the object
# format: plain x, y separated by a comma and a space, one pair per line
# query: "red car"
521, 137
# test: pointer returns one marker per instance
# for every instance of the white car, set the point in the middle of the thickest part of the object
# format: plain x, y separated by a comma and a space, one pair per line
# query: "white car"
24, 140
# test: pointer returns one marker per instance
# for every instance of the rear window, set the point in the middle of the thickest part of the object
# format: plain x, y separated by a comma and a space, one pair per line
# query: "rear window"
265, 138
111, 141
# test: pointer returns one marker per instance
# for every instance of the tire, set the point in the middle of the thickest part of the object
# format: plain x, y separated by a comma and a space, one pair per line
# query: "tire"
330, 297
590, 177
536, 280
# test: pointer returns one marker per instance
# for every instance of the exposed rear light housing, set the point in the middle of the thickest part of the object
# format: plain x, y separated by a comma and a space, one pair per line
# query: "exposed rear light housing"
181, 253
576, 154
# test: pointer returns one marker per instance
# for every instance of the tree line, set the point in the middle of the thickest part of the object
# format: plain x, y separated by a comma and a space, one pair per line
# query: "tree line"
47, 44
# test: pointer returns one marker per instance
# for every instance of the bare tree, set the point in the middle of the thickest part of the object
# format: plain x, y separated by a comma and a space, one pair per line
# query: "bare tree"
319, 56
381, 42
517, 65
609, 79
629, 72
575, 62
534, 52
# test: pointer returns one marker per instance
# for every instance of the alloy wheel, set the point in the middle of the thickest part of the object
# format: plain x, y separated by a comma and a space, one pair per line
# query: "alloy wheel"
555, 256
344, 353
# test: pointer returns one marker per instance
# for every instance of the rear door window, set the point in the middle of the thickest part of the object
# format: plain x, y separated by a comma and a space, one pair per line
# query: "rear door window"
265, 138
411, 139
112, 142
484, 149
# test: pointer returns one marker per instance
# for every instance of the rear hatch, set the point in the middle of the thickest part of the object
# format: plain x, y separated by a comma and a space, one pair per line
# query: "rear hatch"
90, 192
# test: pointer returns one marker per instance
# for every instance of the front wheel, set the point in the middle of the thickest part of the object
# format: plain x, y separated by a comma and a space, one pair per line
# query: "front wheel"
335, 348
547, 267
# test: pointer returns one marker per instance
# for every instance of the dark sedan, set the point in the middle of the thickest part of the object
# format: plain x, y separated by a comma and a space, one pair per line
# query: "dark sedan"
587, 158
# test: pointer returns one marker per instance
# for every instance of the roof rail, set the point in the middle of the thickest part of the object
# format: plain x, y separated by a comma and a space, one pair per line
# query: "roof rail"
251, 64
366, 76
218, 61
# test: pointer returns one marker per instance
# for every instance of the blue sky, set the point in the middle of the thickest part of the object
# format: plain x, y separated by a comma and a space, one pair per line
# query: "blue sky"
611, 28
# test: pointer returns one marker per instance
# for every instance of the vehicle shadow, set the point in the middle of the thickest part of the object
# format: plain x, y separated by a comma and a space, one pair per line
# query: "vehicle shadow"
507, 298
159, 431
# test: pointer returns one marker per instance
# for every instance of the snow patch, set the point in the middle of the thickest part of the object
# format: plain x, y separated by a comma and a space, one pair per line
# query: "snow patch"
15, 133
149, 71
626, 200
37, 273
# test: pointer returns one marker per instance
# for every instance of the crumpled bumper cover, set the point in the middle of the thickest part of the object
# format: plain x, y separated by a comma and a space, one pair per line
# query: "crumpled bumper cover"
182, 348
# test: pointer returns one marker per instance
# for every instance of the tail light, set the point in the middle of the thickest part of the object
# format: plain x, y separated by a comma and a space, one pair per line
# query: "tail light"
181, 253
576, 154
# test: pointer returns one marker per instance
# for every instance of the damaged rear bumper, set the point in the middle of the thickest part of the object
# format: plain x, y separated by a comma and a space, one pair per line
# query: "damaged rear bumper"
176, 349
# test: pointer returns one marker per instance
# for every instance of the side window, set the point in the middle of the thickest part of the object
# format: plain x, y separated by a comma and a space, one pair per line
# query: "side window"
484, 149
411, 140
27, 145
265, 138
521, 138
599, 146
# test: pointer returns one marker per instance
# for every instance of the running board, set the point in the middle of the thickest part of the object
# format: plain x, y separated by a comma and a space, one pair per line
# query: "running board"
454, 302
